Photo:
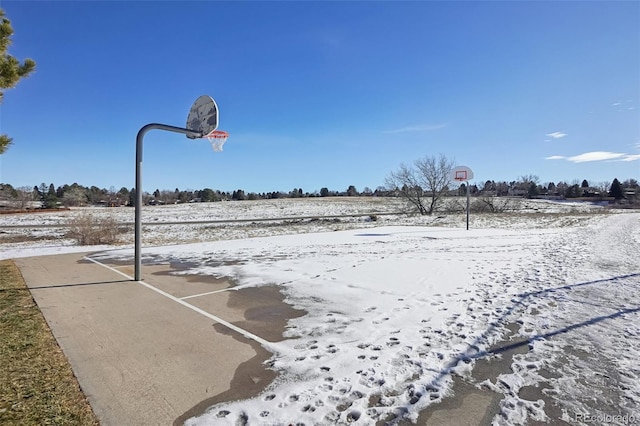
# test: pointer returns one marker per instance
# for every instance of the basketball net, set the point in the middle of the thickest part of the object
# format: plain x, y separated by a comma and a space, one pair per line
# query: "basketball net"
217, 138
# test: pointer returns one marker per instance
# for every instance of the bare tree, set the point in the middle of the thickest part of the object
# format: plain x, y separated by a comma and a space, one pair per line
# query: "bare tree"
526, 180
16, 198
25, 197
406, 182
7, 195
75, 196
424, 184
492, 205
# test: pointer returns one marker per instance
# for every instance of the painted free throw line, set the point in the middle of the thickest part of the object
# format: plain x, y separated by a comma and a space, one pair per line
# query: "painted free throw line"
272, 346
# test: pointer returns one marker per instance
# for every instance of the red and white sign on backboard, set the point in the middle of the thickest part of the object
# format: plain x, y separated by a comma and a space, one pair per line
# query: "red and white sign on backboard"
461, 174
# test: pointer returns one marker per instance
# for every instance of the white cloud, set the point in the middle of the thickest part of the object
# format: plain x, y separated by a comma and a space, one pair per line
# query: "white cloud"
595, 156
556, 135
417, 128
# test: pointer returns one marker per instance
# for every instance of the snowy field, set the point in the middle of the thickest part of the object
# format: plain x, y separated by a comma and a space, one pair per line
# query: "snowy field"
44, 233
399, 305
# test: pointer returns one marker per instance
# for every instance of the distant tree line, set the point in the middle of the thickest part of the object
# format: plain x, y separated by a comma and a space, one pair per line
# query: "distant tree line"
75, 195
405, 182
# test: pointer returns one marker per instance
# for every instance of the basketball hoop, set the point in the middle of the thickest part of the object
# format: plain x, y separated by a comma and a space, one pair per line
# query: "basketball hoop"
217, 138
461, 174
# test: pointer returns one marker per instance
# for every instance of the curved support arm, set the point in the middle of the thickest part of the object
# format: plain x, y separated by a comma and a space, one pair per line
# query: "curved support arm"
138, 222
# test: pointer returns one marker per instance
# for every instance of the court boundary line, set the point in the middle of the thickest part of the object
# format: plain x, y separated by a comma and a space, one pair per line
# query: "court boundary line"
269, 345
205, 294
235, 288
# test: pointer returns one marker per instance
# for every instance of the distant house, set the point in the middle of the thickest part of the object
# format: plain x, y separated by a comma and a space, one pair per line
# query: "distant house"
591, 192
630, 194
110, 203
516, 192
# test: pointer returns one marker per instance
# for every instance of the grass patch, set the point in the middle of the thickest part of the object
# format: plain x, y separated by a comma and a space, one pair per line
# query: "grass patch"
37, 385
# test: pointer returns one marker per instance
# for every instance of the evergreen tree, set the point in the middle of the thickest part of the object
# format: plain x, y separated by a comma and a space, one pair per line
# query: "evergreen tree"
462, 190
11, 70
238, 195
132, 197
123, 195
61, 190
207, 194
585, 184
616, 190
50, 199
572, 191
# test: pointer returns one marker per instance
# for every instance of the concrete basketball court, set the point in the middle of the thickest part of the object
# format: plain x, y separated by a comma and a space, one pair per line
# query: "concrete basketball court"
151, 353
165, 349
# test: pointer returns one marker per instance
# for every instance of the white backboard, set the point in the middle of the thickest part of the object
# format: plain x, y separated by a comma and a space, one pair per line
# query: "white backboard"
461, 174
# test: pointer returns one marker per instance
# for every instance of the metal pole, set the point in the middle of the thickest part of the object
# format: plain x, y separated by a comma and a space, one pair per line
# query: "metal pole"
138, 221
467, 205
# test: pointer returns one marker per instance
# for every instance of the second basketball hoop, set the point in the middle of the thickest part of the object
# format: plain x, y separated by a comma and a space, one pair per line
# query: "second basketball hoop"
463, 174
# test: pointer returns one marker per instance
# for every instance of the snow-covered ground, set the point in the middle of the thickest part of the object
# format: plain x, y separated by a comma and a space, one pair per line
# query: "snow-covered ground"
396, 306
43, 233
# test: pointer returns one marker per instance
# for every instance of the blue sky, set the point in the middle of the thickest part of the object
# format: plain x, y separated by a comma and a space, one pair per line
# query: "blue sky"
319, 94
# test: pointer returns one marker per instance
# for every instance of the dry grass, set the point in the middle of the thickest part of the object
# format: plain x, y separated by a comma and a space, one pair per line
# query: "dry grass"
87, 229
37, 385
